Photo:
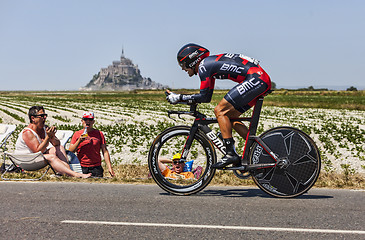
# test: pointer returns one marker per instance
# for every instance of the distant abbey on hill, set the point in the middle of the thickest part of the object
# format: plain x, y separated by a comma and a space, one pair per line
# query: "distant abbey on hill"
121, 75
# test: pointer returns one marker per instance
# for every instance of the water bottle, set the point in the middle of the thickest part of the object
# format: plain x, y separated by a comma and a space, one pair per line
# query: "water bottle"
84, 134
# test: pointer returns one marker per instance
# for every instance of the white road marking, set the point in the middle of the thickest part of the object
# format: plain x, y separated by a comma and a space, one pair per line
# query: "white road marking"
305, 230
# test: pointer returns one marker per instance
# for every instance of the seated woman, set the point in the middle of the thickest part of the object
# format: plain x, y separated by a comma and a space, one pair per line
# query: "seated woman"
37, 137
177, 171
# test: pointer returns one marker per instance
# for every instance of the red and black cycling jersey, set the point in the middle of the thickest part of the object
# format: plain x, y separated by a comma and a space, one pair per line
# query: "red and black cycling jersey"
236, 67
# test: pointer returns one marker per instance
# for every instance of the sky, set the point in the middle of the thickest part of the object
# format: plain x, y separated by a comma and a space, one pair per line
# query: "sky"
60, 45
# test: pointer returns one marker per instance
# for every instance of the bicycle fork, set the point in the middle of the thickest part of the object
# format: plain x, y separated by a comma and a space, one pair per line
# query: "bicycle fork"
189, 141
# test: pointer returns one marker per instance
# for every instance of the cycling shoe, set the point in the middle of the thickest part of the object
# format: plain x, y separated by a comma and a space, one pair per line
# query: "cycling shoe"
226, 160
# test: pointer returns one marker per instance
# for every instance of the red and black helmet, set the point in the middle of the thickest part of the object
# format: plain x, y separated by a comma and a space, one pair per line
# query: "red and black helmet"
191, 54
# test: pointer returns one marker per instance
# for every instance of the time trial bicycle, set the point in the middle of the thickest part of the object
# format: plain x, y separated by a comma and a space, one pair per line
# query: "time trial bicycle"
283, 161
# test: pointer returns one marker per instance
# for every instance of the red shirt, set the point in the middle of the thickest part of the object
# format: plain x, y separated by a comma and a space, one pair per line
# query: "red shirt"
88, 152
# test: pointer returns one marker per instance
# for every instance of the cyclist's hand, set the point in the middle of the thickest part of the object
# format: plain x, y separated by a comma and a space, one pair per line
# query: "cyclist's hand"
173, 98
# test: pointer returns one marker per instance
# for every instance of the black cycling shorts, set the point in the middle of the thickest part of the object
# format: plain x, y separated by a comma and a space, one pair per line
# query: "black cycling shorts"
97, 171
243, 96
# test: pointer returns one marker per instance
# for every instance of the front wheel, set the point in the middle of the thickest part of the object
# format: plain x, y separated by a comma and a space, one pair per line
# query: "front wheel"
299, 155
199, 160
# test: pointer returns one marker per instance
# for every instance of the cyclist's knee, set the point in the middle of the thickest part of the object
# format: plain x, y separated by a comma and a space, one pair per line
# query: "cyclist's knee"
222, 108
220, 111
217, 110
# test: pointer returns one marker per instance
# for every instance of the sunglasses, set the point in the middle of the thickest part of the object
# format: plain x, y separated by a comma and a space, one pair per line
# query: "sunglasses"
90, 119
177, 161
40, 115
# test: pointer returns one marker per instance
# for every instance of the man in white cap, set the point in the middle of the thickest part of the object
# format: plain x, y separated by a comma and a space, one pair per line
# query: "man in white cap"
87, 144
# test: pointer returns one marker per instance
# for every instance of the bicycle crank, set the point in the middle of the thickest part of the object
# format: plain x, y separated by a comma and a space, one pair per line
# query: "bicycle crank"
241, 174
249, 167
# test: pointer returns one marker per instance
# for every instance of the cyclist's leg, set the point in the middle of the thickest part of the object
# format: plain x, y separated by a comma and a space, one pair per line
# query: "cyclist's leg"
224, 111
240, 128
238, 100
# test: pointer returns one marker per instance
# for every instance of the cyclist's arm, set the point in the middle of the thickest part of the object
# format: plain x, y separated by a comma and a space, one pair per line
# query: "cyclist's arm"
205, 94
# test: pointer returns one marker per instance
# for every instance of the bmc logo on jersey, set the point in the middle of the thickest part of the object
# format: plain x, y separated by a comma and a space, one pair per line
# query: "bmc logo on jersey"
247, 85
231, 68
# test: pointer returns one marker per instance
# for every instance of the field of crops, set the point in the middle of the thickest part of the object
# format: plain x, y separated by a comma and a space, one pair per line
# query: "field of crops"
131, 120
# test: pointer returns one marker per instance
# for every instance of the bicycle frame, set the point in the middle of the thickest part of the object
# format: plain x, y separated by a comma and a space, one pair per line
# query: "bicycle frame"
283, 161
202, 121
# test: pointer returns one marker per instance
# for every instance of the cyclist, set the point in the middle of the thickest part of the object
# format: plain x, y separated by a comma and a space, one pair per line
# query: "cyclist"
177, 171
252, 81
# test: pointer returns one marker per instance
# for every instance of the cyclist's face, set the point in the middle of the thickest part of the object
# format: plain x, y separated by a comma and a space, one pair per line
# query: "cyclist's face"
189, 71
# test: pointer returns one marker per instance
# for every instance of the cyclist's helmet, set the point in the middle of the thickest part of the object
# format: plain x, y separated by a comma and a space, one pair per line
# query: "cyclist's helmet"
191, 54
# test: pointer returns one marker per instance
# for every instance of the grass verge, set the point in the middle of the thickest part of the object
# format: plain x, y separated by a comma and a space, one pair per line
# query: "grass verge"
139, 174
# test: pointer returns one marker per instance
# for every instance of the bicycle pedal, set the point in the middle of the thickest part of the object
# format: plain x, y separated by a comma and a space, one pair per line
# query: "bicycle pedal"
242, 175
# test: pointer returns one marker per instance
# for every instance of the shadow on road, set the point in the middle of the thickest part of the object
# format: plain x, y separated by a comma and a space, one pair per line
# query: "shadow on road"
252, 193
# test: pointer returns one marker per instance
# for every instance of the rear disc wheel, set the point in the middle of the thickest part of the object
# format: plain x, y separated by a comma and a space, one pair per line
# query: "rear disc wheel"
299, 155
